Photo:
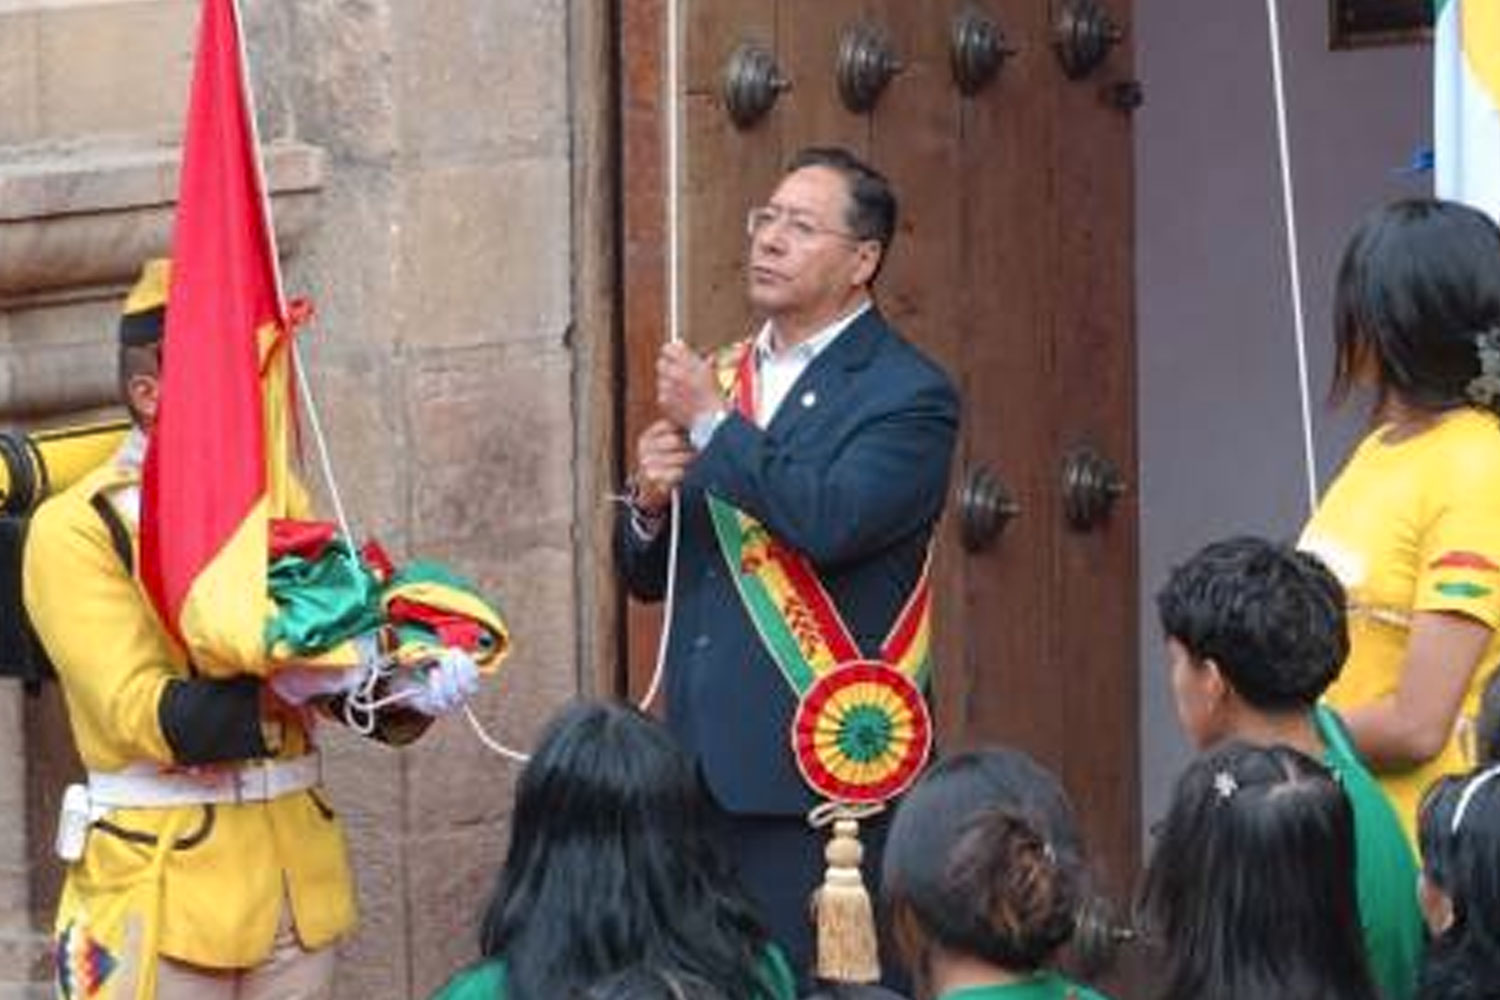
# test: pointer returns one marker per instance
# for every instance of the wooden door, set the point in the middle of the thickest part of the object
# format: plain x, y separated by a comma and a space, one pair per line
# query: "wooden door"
1012, 265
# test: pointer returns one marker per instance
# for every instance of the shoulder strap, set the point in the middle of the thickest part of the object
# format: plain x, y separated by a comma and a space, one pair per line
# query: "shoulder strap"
21, 653
119, 535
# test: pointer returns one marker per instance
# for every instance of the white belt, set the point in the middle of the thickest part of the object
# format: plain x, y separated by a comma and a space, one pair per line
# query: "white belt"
261, 781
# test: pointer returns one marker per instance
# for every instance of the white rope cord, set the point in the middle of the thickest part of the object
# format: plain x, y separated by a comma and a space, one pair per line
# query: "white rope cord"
364, 702
489, 741
1289, 215
304, 389
674, 317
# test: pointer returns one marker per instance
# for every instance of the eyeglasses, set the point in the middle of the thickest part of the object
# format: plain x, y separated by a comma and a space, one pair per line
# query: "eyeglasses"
799, 228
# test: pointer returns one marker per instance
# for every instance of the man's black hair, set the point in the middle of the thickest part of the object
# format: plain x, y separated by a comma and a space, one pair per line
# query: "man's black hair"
872, 203
1271, 617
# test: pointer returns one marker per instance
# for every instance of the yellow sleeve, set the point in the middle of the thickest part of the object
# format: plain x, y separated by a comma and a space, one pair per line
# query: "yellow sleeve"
299, 500
1459, 555
112, 657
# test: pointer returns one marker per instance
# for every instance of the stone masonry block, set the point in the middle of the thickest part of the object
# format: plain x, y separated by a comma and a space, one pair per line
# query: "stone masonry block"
26, 991
363, 780
362, 420
452, 875
332, 65
15, 896
513, 54
12, 749
485, 254
345, 265
84, 85
56, 360
364, 783
23, 958
492, 433
15, 882
76, 221
18, 77
373, 962
453, 779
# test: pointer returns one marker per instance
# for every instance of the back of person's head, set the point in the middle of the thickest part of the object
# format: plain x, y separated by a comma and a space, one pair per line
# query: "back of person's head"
983, 860
1418, 284
1271, 617
610, 865
1487, 722
1251, 887
1458, 828
642, 982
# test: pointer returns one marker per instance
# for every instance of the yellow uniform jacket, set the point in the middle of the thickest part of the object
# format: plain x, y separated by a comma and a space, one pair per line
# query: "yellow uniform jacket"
1410, 526
132, 699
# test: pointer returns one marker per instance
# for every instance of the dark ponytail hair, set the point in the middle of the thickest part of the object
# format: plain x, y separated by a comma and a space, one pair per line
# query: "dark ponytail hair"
1418, 283
1250, 889
610, 865
984, 860
1027, 902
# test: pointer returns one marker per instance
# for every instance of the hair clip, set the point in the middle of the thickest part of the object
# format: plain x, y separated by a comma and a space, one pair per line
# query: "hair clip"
678, 993
1467, 795
1484, 388
1225, 784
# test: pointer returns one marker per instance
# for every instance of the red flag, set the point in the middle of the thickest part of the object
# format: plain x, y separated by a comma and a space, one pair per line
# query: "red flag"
215, 466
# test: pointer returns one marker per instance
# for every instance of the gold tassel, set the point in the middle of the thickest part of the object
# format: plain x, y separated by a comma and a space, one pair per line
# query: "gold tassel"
847, 949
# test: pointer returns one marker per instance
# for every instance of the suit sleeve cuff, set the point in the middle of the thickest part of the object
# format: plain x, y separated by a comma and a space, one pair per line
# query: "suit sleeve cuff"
702, 431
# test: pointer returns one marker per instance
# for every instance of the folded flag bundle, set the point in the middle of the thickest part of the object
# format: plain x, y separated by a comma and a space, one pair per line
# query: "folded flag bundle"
327, 596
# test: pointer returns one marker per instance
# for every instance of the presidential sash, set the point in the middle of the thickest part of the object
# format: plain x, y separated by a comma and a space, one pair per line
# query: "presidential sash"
861, 732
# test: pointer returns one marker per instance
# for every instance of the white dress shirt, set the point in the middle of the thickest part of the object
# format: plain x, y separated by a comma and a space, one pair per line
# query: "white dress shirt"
776, 370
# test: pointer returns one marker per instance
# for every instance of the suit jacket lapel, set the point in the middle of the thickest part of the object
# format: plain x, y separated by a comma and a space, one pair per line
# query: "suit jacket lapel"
826, 378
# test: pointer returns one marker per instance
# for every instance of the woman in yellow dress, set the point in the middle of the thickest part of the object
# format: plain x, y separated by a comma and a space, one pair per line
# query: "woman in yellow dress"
1412, 523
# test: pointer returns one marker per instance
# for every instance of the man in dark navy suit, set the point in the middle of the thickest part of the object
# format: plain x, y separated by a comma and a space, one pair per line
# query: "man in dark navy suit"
841, 450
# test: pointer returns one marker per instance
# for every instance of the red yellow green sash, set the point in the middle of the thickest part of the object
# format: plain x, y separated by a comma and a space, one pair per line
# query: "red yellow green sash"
862, 731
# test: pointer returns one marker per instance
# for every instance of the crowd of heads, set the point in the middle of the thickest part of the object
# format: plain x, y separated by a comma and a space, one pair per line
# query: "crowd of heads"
1250, 891
613, 889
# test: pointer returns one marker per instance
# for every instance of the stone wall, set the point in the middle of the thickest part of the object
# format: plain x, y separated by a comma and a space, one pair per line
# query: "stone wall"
429, 204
